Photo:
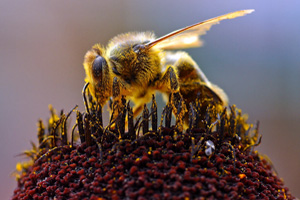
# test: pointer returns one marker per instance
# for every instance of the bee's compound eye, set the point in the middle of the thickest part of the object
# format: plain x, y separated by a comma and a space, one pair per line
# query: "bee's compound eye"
97, 66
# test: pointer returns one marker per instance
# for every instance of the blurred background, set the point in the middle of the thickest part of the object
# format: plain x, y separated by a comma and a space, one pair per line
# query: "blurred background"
255, 59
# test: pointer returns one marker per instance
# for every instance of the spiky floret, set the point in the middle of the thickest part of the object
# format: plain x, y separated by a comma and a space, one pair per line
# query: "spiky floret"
213, 158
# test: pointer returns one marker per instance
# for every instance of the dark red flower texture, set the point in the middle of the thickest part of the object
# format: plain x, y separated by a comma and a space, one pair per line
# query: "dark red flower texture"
197, 163
151, 169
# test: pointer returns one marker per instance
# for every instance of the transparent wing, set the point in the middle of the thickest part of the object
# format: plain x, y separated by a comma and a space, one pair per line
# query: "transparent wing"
189, 36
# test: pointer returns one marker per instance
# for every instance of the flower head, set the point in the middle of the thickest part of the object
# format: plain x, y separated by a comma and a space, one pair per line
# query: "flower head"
149, 159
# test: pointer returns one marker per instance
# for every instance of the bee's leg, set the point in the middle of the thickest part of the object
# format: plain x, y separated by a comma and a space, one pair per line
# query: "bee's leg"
118, 107
116, 89
168, 82
116, 102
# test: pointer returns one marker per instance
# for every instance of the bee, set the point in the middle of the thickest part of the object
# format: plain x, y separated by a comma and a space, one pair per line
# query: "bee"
137, 64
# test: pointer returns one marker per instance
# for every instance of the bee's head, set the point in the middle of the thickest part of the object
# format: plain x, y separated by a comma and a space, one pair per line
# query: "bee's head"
98, 73
97, 64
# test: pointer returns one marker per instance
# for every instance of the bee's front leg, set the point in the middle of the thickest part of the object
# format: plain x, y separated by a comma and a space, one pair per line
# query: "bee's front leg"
116, 89
116, 107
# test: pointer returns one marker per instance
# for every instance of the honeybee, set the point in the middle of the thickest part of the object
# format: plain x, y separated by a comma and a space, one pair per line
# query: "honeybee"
136, 65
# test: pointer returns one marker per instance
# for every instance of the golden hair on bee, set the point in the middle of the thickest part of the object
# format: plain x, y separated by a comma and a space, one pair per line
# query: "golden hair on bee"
136, 65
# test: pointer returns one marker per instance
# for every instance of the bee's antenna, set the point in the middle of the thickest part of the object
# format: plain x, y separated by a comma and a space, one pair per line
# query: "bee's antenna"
84, 97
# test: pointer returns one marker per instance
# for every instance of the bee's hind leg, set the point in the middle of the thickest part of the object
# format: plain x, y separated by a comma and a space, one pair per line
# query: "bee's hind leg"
169, 86
169, 81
